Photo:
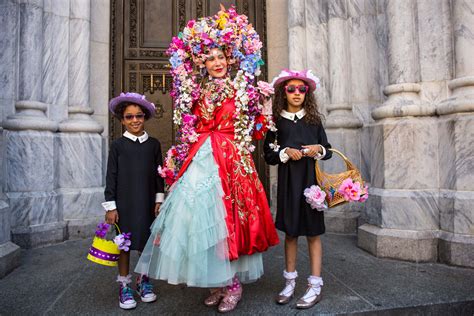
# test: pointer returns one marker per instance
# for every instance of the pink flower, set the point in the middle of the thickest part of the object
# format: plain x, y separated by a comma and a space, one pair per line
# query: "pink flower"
350, 191
265, 88
315, 197
364, 195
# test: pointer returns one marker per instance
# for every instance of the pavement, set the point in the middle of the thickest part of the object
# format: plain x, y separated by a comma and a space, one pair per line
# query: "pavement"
59, 280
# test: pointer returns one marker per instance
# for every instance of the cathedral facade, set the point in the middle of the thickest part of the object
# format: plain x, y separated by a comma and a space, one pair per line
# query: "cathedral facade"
397, 92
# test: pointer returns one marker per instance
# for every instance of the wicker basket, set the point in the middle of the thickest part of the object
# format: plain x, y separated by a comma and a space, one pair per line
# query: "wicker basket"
104, 252
330, 183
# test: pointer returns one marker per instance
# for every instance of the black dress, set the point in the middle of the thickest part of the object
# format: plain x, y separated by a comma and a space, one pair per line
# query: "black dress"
294, 215
132, 181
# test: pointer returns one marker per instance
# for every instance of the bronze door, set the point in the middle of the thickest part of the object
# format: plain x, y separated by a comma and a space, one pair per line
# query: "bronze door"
141, 31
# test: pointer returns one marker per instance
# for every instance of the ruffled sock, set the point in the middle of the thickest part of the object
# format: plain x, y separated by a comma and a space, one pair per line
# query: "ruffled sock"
290, 283
314, 287
124, 280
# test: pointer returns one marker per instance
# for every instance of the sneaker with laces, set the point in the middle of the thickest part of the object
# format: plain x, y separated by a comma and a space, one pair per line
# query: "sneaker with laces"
126, 300
145, 289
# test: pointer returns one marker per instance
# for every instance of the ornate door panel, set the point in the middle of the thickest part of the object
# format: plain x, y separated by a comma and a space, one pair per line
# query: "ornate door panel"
141, 31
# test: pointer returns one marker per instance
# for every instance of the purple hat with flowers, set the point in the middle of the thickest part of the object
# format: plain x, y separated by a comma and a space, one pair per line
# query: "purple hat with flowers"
132, 98
305, 75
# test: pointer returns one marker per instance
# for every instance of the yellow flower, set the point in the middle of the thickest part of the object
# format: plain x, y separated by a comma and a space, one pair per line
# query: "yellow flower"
222, 20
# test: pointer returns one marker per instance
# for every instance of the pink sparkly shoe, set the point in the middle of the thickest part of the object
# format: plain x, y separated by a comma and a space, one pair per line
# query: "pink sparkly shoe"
230, 300
216, 296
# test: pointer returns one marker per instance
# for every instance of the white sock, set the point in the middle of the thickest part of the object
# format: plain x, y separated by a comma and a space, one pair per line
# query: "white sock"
124, 279
290, 283
314, 288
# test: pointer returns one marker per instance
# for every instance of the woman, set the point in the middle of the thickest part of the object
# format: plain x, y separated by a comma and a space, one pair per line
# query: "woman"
215, 222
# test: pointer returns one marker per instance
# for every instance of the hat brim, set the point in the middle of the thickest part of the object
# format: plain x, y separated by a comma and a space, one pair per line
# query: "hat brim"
146, 105
311, 84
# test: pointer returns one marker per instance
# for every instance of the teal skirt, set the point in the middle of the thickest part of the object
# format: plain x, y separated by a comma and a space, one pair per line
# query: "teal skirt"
188, 241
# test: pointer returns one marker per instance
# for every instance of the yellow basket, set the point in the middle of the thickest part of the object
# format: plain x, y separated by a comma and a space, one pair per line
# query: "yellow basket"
330, 183
104, 251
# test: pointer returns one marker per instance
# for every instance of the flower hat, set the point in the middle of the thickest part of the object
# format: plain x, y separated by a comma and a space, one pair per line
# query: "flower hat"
305, 75
132, 97
241, 44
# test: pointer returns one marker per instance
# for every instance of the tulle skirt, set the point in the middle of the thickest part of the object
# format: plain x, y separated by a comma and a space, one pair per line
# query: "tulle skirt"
188, 242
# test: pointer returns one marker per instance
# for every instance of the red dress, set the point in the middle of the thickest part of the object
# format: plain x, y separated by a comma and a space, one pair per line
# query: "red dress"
249, 221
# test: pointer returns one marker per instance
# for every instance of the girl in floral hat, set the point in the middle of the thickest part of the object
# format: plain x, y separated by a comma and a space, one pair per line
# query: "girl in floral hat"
216, 221
298, 140
134, 190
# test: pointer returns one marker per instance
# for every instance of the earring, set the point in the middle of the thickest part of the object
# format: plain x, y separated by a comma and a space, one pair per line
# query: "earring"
203, 71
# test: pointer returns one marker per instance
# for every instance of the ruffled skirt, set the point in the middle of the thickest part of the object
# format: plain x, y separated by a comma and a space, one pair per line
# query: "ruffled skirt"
188, 242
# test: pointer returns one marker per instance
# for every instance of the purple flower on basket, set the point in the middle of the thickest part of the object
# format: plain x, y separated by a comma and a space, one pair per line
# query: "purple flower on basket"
315, 197
102, 229
123, 241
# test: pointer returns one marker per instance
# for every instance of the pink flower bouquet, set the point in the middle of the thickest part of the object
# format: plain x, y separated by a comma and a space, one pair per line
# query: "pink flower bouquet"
352, 191
316, 197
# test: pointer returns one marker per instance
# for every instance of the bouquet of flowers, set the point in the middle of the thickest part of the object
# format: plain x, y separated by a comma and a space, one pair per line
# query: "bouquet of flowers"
351, 191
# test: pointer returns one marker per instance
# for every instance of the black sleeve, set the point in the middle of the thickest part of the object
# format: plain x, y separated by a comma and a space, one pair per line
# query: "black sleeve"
160, 183
111, 176
323, 141
271, 157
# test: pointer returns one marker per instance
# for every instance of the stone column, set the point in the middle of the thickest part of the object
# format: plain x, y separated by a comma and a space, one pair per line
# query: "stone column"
80, 152
30, 143
342, 127
277, 59
297, 34
9, 252
403, 210
456, 165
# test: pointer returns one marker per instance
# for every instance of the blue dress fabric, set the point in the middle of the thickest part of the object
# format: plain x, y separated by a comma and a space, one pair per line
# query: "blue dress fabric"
193, 248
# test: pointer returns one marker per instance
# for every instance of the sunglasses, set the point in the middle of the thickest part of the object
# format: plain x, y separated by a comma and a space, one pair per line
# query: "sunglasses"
292, 89
130, 117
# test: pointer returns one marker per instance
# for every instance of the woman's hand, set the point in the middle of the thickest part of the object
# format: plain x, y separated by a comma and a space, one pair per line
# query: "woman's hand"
157, 209
294, 154
111, 217
312, 150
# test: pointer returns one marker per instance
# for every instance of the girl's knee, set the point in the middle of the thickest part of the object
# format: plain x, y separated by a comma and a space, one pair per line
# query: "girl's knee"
289, 238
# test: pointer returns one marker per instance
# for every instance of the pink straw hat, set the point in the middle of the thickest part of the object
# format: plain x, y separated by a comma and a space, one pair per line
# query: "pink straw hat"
135, 98
305, 75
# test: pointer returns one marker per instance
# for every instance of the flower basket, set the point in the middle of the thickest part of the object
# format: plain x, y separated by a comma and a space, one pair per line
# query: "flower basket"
103, 251
330, 183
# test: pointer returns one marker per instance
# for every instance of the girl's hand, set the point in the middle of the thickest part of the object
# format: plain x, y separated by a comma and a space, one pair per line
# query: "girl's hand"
312, 150
157, 209
111, 217
294, 154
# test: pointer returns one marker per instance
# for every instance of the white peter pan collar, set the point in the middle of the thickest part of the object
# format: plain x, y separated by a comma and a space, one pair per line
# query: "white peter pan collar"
141, 139
293, 116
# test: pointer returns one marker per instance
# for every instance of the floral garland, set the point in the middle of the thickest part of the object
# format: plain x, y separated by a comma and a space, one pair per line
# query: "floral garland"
241, 44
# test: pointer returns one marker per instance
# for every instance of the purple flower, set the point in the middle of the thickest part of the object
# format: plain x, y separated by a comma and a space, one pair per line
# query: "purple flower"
102, 229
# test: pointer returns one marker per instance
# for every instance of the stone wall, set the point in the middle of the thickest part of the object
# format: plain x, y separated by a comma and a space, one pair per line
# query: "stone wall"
52, 150
398, 91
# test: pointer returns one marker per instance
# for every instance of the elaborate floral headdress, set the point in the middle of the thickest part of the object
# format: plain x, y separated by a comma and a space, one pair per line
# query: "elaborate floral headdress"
241, 44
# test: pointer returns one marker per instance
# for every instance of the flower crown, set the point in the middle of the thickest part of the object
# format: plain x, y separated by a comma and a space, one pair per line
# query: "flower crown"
241, 44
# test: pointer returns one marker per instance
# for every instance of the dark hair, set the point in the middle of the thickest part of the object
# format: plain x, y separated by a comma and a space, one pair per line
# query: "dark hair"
313, 116
120, 109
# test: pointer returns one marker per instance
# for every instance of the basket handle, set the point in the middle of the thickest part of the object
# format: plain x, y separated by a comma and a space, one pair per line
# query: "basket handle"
118, 229
339, 153
349, 164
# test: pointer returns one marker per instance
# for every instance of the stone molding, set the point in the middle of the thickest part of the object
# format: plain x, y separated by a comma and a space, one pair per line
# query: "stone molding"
30, 116
80, 120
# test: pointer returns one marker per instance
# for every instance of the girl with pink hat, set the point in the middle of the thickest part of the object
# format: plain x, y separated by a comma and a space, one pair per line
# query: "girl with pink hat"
298, 140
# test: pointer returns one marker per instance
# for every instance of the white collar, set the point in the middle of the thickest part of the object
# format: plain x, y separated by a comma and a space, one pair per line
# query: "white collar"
293, 116
141, 139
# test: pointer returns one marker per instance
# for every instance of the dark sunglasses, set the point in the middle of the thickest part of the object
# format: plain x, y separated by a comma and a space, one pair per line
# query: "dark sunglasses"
292, 89
130, 117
